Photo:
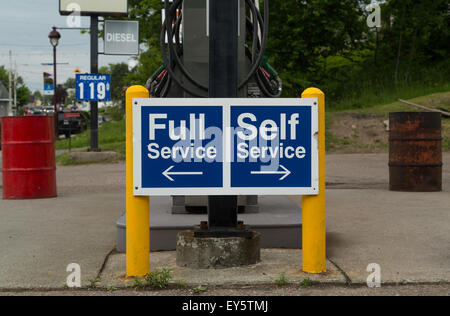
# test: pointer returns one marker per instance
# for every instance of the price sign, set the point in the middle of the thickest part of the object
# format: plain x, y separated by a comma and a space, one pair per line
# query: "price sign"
93, 87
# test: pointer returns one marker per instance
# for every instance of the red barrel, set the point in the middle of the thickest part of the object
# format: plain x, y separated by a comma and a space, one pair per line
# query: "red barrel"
29, 169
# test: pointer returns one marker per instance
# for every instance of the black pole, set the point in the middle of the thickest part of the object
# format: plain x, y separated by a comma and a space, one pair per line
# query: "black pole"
223, 83
55, 105
94, 70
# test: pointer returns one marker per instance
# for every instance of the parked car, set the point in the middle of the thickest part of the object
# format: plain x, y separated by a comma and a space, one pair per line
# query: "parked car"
70, 123
48, 110
26, 110
36, 110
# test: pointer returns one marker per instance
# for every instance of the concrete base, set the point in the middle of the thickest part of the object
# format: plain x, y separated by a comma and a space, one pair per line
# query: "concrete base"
275, 265
87, 157
217, 253
279, 222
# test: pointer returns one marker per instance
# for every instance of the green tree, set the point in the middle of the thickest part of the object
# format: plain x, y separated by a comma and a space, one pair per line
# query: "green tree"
301, 32
70, 83
23, 93
417, 34
304, 33
4, 76
148, 13
118, 73
23, 96
327, 43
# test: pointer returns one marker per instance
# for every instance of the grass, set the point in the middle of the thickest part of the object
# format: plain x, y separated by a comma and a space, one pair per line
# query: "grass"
159, 279
154, 280
282, 281
111, 289
436, 101
109, 133
111, 138
138, 283
93, 283
371, 98
181, 284
199, 289
307, 283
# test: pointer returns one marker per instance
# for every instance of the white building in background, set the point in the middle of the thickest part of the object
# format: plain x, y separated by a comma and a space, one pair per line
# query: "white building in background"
4, 100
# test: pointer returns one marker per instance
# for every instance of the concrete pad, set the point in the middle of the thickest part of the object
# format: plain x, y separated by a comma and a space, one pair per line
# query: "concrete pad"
274, 264
87, 156
279, 222
357, 171
407, 234
39, 238
366, 171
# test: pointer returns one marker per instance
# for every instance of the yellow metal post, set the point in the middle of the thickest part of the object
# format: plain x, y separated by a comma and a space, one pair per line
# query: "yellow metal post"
313, 207
138, 212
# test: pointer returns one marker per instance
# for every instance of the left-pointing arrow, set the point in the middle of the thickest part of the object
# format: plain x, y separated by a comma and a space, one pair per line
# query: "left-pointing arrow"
167, 173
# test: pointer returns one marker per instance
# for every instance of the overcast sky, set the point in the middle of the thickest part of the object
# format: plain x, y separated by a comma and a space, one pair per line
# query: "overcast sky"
24, 29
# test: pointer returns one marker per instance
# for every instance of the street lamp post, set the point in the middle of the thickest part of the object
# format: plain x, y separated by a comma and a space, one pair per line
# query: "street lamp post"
94, 70
54, 37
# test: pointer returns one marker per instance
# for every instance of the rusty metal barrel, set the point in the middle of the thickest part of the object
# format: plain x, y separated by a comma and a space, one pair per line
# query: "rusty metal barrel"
28, 156
415, 152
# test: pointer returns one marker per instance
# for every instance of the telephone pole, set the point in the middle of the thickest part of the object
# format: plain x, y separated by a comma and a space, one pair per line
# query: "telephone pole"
15, 89
10, 85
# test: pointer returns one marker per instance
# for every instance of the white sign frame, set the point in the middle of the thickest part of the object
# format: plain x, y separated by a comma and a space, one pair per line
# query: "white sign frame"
226, 189
91, 10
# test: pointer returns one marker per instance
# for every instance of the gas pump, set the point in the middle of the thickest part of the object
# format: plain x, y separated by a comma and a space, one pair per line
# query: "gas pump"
185, 47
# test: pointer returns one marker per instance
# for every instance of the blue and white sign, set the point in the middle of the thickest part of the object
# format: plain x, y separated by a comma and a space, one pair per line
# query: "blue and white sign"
49, 89
49, 83
225, 146
93, 87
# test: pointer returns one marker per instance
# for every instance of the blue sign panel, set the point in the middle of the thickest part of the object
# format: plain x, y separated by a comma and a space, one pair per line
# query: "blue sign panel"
225, 146
272, 146
93, 87
179, 147
49, 89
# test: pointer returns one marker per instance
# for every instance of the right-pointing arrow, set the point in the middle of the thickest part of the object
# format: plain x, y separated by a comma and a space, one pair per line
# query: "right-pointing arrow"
285, 172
